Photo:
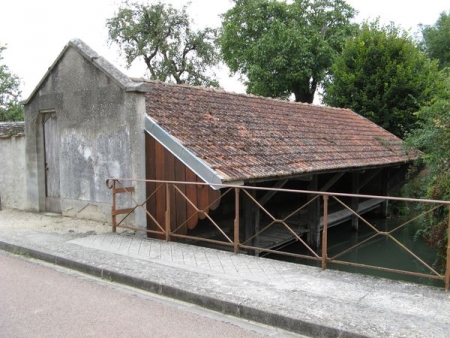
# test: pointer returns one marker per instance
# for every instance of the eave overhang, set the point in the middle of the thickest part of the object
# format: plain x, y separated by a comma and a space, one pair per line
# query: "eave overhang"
197, 165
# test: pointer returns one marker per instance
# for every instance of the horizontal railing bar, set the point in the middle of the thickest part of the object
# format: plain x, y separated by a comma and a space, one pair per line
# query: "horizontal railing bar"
284, 253
201, 239
123, 190
309, 192
237, 244
380, 268
123, 211
140, 229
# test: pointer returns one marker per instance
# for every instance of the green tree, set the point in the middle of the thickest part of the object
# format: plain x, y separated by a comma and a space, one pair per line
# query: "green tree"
382, 75
436, 39
10, 109
163, 36
433, 139
284, 48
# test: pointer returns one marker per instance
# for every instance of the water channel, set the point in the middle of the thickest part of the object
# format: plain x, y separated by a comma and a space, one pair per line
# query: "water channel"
380, 251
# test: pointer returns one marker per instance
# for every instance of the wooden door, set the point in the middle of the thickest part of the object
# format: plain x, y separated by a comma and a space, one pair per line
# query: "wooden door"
51, 153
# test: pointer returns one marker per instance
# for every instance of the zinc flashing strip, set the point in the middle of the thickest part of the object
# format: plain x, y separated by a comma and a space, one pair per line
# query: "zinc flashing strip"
200, 168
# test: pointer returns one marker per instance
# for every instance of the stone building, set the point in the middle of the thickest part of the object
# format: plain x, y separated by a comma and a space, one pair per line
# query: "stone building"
86, 122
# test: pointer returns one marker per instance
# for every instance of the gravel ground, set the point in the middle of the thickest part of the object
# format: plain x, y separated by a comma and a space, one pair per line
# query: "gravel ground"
15, 220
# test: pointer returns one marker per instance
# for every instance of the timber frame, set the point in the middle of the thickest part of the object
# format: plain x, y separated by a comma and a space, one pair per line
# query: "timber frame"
370, 181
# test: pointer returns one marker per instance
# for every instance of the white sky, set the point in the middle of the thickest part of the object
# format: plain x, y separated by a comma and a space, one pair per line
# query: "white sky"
36, 31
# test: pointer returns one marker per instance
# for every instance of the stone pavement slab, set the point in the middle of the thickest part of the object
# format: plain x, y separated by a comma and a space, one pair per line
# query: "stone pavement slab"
295, 297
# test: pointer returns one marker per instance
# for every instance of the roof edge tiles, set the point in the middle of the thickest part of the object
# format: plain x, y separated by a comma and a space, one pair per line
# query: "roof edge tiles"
200, 168
244, 137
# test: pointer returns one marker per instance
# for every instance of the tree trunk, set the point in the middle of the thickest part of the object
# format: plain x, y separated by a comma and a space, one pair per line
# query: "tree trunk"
303, 92
304, 97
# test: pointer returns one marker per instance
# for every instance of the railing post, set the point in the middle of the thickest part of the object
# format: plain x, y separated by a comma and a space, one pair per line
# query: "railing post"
447, 270
167, 212
325, 232
236, 220
113, 208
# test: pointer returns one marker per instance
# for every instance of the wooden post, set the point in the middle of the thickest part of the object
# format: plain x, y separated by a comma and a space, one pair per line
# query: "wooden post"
447, 270
236, 220
313, 215
355, 200
251, 218
113, 208
325, 232
256, 215
167, 212
385, 191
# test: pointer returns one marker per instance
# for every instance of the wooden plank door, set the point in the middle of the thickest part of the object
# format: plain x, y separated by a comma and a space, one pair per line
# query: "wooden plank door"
51, 153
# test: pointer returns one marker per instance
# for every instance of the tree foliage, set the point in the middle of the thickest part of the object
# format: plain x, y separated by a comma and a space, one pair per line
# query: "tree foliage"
10, 109
436, 40
163, 36
433, 138
382, 75
284, 48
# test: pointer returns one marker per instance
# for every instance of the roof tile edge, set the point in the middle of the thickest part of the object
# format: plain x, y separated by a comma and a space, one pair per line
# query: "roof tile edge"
199, 167
143, 82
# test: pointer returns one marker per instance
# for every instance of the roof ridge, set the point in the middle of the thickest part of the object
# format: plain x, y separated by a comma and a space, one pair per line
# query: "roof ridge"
221, 90
96, 60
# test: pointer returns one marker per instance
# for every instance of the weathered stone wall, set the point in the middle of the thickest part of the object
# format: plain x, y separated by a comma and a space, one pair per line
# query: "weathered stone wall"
12, 166
101, 135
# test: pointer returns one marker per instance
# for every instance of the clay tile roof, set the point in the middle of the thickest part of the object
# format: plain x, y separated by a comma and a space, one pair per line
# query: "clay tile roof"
244, 137
10, 129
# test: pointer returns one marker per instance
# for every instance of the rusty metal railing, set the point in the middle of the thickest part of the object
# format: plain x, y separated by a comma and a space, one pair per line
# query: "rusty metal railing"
233, 239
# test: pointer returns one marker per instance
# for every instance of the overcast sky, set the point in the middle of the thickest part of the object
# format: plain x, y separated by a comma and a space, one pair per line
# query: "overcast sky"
36, 31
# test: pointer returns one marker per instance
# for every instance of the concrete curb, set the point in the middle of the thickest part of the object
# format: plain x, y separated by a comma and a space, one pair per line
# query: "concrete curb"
229, 308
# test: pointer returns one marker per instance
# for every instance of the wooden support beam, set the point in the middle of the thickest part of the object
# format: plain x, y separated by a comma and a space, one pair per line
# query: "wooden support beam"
314, 214
332, 181
251, 218
236, 237
257, 218
369, 178
396, 177
247, 214
385, 187
355, 200
269, 194
306, 178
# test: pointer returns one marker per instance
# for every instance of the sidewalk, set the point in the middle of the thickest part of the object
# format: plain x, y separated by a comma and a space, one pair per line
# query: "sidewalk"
298, 298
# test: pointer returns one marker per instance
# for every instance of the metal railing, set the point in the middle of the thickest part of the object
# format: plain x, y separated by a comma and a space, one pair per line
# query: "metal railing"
232, 237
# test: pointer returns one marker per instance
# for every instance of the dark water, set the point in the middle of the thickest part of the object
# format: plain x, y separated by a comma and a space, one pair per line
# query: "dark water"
379, 251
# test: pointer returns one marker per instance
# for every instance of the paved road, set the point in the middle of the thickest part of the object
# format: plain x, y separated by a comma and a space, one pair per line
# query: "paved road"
42, 300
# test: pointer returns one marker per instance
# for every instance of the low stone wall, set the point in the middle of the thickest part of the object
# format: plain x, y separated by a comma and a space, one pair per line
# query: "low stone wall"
12, 166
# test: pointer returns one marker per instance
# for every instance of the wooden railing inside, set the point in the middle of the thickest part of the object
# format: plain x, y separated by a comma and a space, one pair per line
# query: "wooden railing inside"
232, 238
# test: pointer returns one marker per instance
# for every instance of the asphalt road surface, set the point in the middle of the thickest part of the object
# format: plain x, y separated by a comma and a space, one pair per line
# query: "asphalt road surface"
42, 300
